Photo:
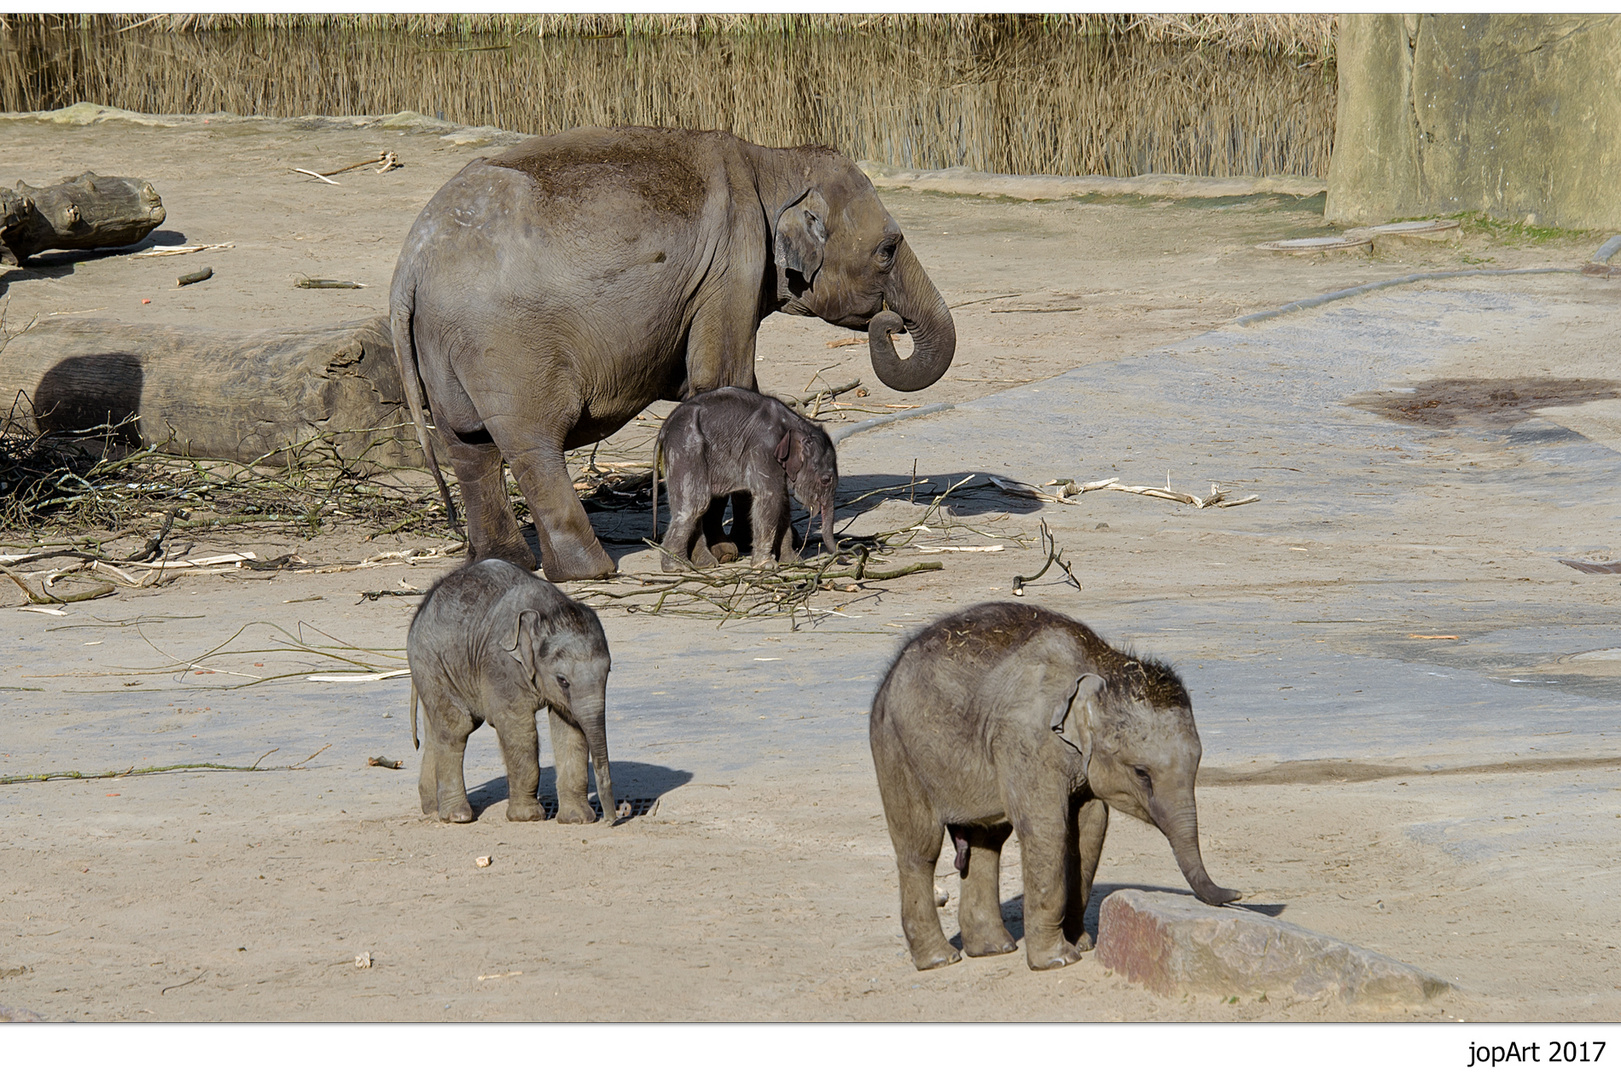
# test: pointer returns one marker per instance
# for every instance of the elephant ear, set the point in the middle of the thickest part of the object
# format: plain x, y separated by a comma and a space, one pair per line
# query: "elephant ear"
801, 237
791, 455
524, 642
1072, 716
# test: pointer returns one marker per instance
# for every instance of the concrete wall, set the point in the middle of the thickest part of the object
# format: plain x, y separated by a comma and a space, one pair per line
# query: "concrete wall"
1518, 116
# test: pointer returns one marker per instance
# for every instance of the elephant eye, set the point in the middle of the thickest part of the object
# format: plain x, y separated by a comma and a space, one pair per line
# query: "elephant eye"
1142, 776
886, 251
562, 683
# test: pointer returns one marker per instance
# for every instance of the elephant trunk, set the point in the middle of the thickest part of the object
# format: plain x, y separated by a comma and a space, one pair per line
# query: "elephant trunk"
828, 544
919, 309
1180, 824
594, 724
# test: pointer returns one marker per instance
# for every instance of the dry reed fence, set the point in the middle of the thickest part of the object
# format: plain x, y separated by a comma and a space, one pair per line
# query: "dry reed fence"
1156, 94
1306, 36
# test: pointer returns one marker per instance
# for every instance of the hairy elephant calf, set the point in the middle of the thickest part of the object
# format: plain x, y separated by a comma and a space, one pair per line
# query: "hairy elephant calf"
1008, 718
547, 295
492, 642
735, 442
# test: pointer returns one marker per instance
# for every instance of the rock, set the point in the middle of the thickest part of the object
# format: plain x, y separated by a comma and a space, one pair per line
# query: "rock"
1442, 114
1170, 943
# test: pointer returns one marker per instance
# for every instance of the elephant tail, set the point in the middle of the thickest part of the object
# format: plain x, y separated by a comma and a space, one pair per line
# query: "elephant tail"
416, 744
658, 452
403, 307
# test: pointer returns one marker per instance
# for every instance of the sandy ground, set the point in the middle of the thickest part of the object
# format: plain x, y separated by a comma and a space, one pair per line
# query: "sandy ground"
1467, 826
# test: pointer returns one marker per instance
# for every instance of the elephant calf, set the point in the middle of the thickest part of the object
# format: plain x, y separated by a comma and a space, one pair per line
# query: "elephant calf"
736, 442
494, 642
1009, 718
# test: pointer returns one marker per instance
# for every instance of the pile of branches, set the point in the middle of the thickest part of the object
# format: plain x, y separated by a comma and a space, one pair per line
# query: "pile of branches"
93, 480
742, 591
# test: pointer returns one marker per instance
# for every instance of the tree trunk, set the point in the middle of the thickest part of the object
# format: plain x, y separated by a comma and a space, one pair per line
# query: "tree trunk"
235, 396
84, 211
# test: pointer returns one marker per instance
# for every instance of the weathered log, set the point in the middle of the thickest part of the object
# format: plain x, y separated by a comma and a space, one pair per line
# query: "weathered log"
235, 396
84, 211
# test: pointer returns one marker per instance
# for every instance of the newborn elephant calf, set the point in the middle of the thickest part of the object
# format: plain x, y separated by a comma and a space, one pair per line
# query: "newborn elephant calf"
493, 642
733, 441
1009, 718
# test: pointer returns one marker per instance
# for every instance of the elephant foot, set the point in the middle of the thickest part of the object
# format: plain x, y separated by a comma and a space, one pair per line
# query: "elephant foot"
936, 959
458, 815
577, 565
724, 552
760, 562
1047, 959
518, 555
988, 944
1084, 943
570, 814
525, 811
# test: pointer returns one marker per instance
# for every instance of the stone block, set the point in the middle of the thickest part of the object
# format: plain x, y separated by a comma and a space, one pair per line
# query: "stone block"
1452, 113
1172, 943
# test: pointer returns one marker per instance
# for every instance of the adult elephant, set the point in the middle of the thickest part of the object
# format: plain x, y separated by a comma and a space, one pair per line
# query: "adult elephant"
547, 295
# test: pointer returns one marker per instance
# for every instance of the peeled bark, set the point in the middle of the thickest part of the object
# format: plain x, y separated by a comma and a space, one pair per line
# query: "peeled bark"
233, 396
919, 309
84, 211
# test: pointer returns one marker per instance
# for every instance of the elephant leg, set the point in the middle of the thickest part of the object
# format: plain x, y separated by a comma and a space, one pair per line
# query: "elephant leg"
690, 508
769, 520
979, 913
569, 754
788, 550
444, 751
722, 547
1081, 866
1041, 819
520, 750
742, 521
492, 530
569, 550
428, 779
915, 830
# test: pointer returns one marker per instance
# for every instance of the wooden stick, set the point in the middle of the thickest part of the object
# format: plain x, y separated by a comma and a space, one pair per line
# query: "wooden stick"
318, 176
326, 283
194, 277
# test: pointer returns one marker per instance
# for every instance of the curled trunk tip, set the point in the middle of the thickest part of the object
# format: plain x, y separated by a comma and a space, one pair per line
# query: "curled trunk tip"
918, 309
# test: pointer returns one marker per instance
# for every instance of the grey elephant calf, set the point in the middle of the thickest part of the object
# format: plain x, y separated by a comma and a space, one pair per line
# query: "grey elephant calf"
1009, 718
735, 442
492, 642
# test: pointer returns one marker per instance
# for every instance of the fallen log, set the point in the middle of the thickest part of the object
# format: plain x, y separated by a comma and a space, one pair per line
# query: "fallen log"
84, 211
230, 395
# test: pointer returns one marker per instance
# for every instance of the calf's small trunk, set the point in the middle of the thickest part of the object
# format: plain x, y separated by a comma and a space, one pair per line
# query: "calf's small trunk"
1181, 827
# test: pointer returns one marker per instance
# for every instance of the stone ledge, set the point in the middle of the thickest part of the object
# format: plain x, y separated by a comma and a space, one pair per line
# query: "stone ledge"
1170, 943
960, 181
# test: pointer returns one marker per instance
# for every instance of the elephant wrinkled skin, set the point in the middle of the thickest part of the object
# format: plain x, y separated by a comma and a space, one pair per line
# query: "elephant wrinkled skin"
548, 294
492, 642
1006, 718
735, 442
